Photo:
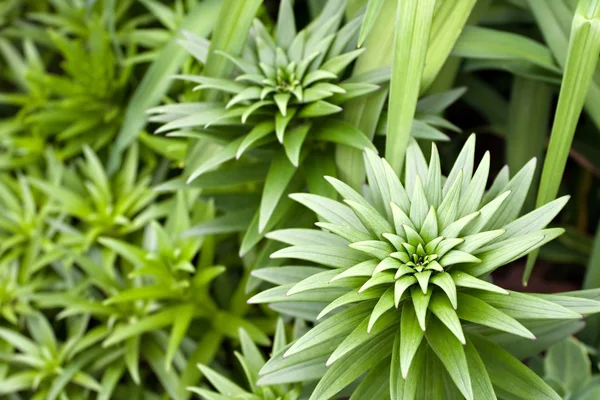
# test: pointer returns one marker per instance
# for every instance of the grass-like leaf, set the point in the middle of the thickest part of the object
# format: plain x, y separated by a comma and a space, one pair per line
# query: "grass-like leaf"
582, 58
411, 39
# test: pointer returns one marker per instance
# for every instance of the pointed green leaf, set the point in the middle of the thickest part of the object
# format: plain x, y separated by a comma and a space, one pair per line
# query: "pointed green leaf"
440, 306
321, 254
524, 306
278, 178
511, 375
479, 312
452, 354
338, 325
411, 336
293, 141
446, 283
353, 365
420, 302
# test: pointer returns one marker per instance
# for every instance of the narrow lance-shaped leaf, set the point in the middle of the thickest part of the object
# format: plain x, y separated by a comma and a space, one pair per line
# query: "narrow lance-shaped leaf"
155, 83
364, 113
412, 36
448, 22
582, 58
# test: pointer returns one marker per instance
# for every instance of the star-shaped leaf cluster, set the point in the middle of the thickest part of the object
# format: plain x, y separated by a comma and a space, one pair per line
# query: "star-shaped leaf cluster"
285, 81
405, 267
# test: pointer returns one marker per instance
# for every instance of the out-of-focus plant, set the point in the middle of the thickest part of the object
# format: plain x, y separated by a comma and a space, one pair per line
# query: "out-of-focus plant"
285, 82
46, 367
27, 239
251, 360
567, 367
82, 106
139, 291
100, 205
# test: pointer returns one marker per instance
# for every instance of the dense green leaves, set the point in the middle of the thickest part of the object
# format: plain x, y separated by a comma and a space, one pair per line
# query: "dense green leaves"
396, 262
136, 266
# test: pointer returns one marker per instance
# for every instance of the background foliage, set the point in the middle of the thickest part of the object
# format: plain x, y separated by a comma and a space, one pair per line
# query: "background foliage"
148, 150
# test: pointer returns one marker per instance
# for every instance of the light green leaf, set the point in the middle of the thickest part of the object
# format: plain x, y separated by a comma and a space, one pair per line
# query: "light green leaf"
480, 380
446, 283
568, 362
299, 237
474, 310
278, 178
353, 365
322, 254
286, 25
352, 297
478, 42
452, 354
350, 234
524, 306
412, 32
293, 141
420, 302
410, 336
286, 275
401, 285
145, 324
471, 198
319, 108
580, 305
222, 384
338, 325
362, 334
375, 248
337, 64
373, 9
511, 375
509, 250
370, 218
465, 163
510, 209
330, 210
465, 280
385, 303
322, 280
181, 323
418, 204
440, 306
341, 132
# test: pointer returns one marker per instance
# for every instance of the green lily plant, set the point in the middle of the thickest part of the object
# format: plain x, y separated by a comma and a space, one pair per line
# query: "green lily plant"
282, 107
22, 218
286, 81
46, 367
26, 239
279, 105
101, 205
137, 290
402, 275
82, 106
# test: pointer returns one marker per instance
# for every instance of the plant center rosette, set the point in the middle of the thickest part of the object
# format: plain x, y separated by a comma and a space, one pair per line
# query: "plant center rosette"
401, 273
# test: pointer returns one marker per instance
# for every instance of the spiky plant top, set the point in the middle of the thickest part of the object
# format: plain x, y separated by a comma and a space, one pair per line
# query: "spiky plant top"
285, 81
404, 266
251, 360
